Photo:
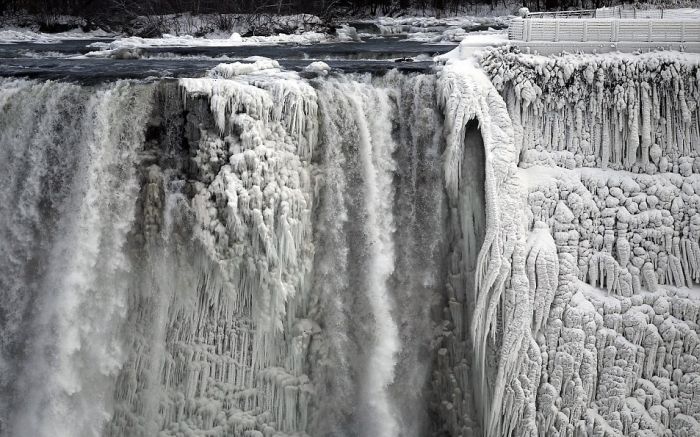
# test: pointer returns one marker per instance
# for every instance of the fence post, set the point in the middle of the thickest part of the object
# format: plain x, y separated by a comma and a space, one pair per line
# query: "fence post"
556, 31
526, 30
649, 30
682, 31
585, 31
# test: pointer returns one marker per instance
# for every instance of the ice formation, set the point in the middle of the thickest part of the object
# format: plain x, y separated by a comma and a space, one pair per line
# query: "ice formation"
507, 247
608, 158
261, 336
465, 94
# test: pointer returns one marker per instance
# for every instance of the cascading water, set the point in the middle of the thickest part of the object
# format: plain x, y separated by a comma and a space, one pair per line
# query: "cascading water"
68, 193
248, 254
368, 146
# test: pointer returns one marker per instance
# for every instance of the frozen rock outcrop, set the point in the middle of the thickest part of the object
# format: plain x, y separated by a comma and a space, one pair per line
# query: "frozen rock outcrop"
226, 330
608, 159
628, 112
492, 298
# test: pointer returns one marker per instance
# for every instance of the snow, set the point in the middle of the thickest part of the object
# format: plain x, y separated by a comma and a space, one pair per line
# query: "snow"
8, 36
230, 71
473, 43
233, 40
318, 67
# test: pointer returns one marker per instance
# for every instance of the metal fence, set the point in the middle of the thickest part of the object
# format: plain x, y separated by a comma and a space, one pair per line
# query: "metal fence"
614, 12
605, 30
582, 13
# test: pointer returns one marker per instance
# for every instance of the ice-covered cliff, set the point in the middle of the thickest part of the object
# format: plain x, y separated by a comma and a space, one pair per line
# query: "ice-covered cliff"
608, 159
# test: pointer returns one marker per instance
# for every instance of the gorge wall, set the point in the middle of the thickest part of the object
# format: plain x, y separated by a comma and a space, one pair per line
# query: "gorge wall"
609, 162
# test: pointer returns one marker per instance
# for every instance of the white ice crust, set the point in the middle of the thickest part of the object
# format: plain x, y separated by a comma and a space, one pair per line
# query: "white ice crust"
587, 285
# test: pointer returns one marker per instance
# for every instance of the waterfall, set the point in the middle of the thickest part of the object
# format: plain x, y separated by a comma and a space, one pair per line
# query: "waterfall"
379, 251
360, 125
68, 196
263, 253
251, 253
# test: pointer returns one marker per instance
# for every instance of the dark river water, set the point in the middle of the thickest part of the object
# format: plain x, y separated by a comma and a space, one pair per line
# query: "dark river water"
64, 60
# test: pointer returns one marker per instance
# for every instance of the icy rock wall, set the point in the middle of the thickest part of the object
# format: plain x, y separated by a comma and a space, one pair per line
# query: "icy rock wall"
289, 247
609, 160
490, 307
226, 348
68, 160
626, 112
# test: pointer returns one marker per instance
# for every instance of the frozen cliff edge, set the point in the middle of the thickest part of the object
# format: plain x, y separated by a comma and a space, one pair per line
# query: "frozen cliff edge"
585, 319
499, 280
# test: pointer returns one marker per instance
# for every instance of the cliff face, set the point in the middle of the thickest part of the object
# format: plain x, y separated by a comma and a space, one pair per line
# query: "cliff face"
609, 162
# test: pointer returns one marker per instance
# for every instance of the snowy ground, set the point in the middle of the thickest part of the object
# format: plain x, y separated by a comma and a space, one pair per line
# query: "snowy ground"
233, 40
302, 29
14, 35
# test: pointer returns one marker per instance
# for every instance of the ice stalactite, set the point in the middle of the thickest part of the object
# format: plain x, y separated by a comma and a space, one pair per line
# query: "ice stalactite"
501, 316
608, 158
542, 273
231, 297
634, 113
254, 216
78, 193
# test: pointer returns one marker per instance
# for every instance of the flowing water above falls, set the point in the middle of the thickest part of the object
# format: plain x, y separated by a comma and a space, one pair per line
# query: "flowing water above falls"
251, 255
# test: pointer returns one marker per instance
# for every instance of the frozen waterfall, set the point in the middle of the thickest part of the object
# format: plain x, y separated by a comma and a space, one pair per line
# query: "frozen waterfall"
264, 253
193, 255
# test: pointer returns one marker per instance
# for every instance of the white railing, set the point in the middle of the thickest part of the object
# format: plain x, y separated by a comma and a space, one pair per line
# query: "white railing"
605, 30
615, 12
582, 13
